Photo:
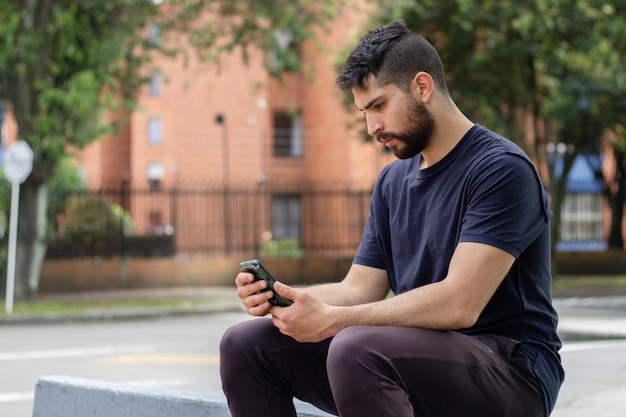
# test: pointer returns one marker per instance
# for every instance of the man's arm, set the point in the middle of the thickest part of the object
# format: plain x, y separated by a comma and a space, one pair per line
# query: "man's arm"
476, 270
361, 285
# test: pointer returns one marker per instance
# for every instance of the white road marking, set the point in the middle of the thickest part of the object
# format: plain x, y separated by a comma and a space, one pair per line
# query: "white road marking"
11, 397
593, 345
159, 383
74, 352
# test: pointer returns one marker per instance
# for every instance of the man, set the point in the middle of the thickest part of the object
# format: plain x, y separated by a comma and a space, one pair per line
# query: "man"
458, 229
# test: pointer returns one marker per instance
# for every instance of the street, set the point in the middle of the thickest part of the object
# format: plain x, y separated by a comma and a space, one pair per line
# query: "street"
182, 353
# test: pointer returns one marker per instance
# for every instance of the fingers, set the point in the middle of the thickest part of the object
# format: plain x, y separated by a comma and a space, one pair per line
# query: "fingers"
243, 278
287, 291
251, 293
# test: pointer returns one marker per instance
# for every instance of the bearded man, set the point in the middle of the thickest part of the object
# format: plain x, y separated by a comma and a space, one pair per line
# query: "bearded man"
458, 229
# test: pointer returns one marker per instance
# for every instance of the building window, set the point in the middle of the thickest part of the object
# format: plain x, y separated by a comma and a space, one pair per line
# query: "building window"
154, 35
288, 134
155, 131
155, 174
286, 216
156, 83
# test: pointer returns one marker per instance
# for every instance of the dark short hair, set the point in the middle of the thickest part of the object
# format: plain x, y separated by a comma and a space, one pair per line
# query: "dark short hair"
393, 54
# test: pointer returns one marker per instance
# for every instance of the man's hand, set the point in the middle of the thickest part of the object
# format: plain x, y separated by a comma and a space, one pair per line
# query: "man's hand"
307, 319
249, 290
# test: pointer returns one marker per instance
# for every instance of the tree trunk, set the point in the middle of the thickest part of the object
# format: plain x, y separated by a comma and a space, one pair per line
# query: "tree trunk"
31, 239
617, 195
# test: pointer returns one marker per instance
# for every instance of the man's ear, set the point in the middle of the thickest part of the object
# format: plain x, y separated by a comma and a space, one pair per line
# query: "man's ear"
422, 86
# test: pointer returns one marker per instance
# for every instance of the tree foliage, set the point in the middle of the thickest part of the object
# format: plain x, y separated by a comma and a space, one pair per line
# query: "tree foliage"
66, 66
539, 72
63, 63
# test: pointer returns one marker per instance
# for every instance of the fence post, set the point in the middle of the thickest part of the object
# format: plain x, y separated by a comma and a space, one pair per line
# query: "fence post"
123, 251
173, 214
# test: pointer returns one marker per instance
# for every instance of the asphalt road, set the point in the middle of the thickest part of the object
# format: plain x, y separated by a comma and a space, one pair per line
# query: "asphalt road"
174, 352
182, 353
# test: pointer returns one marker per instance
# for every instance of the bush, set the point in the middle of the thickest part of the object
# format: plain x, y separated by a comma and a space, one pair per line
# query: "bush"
289, 247
64, 182
94, 222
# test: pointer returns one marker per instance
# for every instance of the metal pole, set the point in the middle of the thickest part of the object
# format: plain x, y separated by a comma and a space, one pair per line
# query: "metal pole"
221, 120
15, 197
227, 195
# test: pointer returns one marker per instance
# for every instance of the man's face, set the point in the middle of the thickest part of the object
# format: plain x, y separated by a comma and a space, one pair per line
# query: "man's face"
396, 119
419, 126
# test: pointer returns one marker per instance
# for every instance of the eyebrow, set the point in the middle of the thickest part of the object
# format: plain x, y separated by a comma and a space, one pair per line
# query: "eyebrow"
369, 104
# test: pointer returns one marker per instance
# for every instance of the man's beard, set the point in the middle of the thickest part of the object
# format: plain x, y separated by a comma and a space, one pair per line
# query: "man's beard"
421, 126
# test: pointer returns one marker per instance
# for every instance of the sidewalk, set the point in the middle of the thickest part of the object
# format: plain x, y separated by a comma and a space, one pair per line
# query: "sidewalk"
594, 316
215, 300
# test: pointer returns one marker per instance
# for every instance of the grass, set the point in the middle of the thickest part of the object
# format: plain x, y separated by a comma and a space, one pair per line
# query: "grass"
78, 306
590, 283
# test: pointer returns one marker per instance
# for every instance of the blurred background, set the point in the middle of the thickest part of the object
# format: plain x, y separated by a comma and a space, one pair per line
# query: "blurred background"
174, 139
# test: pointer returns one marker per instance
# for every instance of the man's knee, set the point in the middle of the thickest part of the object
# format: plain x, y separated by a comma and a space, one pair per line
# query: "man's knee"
245, 336
233, 339
351, 345
240, 347
240, 351
357, 363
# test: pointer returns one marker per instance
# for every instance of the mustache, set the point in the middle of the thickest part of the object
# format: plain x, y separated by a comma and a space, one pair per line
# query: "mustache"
384, 136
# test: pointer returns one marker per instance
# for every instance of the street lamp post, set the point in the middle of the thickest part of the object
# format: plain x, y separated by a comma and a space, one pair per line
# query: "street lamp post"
220, 119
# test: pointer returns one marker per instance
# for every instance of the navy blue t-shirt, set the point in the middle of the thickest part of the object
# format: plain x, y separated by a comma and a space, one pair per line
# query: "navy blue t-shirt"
485, 190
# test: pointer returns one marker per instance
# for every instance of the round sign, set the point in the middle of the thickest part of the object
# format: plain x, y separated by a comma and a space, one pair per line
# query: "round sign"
17, 162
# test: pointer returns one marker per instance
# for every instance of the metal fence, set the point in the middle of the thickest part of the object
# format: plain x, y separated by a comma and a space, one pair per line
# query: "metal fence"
256, 219
286, 221
582, 226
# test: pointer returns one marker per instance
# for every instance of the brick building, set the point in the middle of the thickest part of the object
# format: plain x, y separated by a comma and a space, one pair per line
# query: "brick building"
202, 123
233, 125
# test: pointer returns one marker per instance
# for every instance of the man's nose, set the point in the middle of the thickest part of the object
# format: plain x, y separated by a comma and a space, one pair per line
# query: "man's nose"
374, 126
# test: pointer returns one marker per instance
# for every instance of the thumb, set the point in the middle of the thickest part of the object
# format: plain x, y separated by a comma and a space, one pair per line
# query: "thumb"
286, 291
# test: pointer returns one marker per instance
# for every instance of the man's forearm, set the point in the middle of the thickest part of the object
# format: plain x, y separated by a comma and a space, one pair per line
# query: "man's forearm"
336, 294
429, 307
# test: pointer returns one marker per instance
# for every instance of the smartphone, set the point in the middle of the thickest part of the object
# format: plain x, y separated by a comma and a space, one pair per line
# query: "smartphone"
255, 267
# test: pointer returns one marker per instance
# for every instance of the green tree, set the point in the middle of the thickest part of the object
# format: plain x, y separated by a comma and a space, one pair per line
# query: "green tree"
64, 182
616, 189
536, 71
66, 63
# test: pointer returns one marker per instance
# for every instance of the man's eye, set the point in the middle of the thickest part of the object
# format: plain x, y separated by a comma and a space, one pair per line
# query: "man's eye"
379, 106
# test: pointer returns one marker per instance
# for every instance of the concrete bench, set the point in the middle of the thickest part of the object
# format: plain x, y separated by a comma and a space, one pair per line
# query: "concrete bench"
63, 396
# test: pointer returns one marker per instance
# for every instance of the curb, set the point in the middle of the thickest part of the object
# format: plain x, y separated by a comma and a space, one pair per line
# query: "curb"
120, 314
77, 397
593, 327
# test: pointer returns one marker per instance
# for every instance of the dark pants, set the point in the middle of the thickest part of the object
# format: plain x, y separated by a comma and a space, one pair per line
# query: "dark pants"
376, 371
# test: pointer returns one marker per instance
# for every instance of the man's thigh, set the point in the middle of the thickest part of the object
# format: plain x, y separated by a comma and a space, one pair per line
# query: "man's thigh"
409, 371
262, 370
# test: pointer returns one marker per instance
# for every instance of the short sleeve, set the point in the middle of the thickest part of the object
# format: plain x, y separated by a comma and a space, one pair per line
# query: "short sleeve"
505, 204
